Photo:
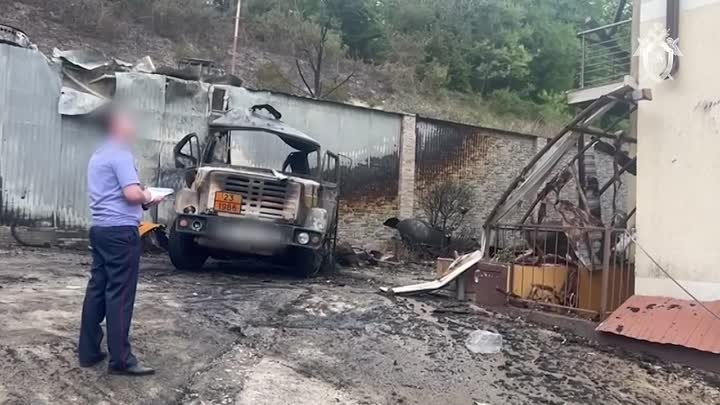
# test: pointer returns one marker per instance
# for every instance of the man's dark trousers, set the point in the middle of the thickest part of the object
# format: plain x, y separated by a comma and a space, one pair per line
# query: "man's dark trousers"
110, 294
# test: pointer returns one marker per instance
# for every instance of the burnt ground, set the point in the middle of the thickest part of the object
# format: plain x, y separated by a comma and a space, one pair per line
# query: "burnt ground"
236, 335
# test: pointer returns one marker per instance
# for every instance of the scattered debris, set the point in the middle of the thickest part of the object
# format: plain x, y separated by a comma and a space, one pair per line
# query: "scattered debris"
350, 256
457, 268
484, 342
13, 36
345, 255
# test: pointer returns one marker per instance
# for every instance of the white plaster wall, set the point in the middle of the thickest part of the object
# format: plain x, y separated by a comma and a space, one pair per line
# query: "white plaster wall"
678, 183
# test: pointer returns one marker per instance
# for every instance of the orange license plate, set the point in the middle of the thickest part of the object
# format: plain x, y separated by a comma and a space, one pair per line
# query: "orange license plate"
228, 202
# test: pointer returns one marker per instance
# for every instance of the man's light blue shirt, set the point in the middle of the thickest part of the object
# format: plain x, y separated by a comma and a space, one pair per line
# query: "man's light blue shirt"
111, 168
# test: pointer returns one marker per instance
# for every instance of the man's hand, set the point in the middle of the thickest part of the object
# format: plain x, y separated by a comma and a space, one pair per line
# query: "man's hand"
135, 194
151, 202
148, 197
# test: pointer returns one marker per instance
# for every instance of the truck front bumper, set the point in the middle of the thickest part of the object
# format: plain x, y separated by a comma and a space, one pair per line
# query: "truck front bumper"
246, 235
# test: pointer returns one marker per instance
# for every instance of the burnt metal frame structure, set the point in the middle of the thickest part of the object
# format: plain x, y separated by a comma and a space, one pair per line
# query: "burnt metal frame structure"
578, 126
538, 171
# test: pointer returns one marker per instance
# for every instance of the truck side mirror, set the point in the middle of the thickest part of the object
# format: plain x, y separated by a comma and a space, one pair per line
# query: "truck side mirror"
187, 152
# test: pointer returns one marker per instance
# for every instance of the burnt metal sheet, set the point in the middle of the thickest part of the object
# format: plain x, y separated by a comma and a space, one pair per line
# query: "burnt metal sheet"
667, 321
239, 118
444, 148
83, 58
14, 36
73, 102
29, 137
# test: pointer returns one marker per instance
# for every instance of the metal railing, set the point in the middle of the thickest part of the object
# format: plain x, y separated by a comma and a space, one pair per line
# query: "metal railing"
605, 54
586, 271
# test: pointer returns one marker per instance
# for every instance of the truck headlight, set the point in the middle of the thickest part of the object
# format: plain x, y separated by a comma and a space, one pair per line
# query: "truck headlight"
316, 219
303, 238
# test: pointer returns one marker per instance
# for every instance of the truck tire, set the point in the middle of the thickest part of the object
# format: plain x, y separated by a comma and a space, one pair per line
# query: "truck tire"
306, 262
184, 253
309, 263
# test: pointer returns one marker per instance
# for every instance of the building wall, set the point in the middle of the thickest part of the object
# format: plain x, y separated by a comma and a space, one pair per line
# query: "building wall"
678, 184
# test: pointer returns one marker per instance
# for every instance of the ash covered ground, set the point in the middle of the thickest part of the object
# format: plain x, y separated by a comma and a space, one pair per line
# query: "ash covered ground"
239, 334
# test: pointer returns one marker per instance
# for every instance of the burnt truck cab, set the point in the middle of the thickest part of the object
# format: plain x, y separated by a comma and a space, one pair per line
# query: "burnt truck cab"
255, 187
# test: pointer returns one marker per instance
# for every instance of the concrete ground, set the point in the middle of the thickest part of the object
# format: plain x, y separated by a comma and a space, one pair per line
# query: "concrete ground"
236, 335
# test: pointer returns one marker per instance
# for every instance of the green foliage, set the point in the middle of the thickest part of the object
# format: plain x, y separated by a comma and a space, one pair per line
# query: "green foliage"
518, 56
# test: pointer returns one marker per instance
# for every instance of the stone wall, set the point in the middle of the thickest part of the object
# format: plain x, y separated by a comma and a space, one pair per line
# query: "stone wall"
489, 160
486, 159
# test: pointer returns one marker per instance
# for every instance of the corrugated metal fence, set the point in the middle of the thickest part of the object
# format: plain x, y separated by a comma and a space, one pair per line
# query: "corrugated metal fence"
30, 141
43, 155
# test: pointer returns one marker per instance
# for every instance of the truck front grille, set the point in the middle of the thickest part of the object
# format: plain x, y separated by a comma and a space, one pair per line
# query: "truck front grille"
263, 198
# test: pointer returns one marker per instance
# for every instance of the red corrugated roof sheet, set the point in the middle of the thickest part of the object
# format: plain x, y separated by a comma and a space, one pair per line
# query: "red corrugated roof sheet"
667, 320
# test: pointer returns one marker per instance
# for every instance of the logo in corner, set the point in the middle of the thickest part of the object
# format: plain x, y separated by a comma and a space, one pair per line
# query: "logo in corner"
657, 52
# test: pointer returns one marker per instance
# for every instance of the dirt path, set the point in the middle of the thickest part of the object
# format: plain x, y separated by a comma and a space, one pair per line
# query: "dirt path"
234, 335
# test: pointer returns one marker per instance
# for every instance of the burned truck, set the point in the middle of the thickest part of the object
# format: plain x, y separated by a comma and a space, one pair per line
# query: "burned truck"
255, 187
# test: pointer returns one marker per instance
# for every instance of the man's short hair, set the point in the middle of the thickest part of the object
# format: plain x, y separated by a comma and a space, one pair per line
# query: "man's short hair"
103, 117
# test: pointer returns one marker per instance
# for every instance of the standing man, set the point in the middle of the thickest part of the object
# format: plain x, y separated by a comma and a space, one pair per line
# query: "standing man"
116, 204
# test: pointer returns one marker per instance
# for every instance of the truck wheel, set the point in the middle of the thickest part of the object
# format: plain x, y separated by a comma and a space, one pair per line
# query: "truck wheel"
309, 263
306, 262
184, 253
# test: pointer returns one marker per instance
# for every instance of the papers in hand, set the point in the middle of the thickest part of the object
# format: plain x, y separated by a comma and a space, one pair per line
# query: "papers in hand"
159, 193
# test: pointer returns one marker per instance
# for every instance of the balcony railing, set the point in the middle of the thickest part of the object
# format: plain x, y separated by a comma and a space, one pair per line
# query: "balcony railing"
605, 54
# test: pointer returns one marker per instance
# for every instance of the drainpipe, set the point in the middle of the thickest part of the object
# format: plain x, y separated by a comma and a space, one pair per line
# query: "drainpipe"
672, 22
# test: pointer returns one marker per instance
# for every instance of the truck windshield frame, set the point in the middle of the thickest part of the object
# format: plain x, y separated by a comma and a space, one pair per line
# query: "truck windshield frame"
211, 156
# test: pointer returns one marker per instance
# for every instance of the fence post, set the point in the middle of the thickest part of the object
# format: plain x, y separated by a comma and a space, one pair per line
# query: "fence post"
606, 272
406, 178
582, 63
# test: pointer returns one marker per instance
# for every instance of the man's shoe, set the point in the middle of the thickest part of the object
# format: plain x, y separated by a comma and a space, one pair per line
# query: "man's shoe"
94, 361
135, 370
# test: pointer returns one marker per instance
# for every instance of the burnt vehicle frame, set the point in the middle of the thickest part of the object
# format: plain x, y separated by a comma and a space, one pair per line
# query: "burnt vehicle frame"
229, 210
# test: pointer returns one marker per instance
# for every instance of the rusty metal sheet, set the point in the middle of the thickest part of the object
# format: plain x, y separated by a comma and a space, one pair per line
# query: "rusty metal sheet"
667, 321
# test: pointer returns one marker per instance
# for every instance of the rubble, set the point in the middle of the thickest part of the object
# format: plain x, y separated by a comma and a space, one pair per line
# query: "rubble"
225, 335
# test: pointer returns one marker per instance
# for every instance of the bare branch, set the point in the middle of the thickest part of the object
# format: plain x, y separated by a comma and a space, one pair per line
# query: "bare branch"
302, 76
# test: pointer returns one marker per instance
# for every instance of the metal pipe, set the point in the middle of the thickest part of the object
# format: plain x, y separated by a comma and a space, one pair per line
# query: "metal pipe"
673, 26
582, 64
235, 37
600, 134
617, 175
615, 24
606, 272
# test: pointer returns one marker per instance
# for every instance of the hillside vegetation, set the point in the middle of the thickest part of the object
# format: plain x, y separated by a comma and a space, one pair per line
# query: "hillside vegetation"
502, 63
